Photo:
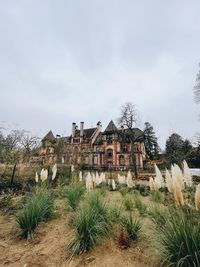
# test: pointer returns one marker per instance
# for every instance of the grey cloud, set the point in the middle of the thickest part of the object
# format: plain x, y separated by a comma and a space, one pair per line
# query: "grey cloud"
64, 61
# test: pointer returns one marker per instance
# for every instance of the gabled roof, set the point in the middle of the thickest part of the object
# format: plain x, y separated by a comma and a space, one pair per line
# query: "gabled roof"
89, 132
99, 140
111, 127
49, 137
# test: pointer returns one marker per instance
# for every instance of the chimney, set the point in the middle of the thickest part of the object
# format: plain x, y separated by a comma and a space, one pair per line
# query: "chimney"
73, 130
81, 131
99, 126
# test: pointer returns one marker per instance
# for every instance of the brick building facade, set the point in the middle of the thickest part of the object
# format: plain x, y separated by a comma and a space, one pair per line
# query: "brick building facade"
94, 148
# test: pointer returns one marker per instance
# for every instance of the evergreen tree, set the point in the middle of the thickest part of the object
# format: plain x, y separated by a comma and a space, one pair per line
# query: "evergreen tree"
150, 141
174, 149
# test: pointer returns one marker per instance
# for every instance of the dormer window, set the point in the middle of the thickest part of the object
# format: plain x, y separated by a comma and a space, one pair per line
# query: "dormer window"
109, 139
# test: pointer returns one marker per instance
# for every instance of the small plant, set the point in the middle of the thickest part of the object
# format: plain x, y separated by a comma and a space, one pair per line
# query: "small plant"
123, 190
141, 207
156, 196
131, 226
38, 208
97, 204
5, 201
180, 239
74, 177
137, 187
123, 240
102, 190
74, 194
128, 203
158, 216
115, 213
91, 222
144, 190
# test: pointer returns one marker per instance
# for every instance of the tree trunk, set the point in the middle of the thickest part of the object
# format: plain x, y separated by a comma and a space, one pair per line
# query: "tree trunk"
133, 157
13, 175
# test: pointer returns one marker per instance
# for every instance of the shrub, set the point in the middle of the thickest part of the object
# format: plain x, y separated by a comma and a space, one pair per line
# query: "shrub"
91, 223
128, 203
141, 207
131, 226
5, 201
123, 240
137, 187
74, 194
180, 239
38, 208
144, 191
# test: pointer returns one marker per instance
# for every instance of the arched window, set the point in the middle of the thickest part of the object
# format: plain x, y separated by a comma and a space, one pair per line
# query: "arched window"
110, 153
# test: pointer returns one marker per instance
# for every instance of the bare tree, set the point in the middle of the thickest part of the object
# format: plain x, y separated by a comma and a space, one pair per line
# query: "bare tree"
28, 143
197, 87
12, 151
128, 119
16, 147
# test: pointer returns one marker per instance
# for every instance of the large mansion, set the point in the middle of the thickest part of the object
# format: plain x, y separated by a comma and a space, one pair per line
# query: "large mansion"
94, 148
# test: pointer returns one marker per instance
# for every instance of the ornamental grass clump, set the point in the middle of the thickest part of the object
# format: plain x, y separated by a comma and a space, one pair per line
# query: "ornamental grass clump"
156, 196
178, 194
180, 239
131, 226
158, 215
123, 191
91, 223
187, 174
39, 207
74, 194
96, 202
169, 181
197, 197
139, 205
115, 213
128, 202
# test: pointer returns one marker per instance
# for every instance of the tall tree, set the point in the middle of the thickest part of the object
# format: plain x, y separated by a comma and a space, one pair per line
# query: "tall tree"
151, 141
128, 119
174, 149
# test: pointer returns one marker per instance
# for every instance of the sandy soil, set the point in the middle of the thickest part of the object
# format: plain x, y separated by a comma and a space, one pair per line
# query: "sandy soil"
48, 248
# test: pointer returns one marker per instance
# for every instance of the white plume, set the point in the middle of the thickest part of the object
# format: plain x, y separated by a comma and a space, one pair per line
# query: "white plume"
80, 176
187, 175
44, 174
159, 180
36, 177
130, 183
113, 184
89, 182
169, 181
54, 171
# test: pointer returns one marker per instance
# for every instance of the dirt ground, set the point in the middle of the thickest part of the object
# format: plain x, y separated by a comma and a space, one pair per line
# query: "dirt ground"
49, 247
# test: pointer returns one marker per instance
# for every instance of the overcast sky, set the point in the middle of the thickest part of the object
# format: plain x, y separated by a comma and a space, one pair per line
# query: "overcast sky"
63, 61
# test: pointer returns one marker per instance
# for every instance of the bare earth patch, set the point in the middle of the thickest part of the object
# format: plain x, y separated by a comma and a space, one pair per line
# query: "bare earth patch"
49, 248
